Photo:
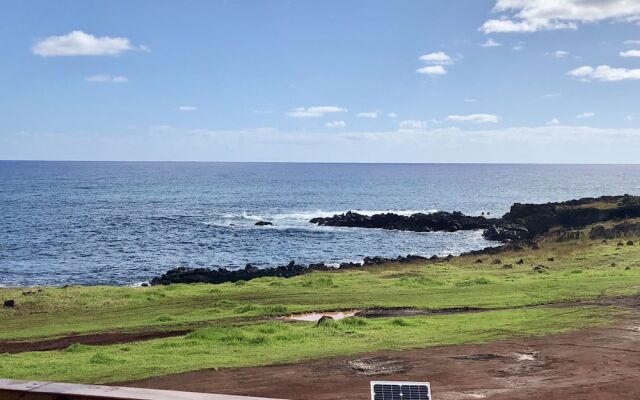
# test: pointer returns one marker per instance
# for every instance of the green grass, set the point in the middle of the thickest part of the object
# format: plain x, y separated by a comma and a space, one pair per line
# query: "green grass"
223, 346
580, 270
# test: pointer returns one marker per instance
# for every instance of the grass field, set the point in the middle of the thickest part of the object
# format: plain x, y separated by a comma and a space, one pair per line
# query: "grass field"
232, 325
277, 342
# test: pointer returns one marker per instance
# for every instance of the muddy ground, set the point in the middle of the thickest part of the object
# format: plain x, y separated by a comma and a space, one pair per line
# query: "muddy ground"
595, 364
98, 339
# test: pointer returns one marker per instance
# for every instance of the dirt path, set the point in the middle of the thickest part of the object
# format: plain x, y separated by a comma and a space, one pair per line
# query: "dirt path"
594, 364
103, 338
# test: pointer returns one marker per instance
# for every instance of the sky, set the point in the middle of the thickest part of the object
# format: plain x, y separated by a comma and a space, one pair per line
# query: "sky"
513, 81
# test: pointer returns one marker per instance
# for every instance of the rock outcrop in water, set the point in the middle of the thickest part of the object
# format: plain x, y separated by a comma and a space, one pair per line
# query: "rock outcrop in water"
420, 222
495, 228
538, 219
522, 222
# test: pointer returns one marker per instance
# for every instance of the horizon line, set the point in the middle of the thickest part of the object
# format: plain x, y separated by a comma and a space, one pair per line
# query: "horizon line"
320, 162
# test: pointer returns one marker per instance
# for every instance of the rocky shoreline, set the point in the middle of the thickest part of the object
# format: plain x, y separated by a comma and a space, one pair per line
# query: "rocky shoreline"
519, 228
522, 222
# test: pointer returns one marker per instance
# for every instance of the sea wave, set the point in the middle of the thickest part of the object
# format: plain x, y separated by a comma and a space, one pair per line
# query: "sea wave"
295, 218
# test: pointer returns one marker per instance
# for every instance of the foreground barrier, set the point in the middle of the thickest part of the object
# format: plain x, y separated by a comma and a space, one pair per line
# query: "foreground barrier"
28, 390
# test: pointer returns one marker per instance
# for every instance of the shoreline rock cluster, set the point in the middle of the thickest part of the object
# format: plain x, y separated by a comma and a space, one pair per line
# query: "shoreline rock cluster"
222, 275
419, 222
522, 222
516, 229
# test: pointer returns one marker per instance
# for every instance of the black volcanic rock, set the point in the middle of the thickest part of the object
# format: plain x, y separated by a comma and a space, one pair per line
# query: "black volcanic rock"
506, 233
264, 223
420, 222
522, 222
616, 231
222, 275
540, 218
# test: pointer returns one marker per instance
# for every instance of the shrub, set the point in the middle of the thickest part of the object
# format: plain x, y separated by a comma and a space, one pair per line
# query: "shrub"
354, 321
474, 281
277, 309
399, 322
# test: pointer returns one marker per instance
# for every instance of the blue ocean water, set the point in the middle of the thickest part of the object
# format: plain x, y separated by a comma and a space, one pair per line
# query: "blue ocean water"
125, 222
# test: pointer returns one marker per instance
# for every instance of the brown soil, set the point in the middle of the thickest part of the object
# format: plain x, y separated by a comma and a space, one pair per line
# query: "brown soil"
594, 364
104, 338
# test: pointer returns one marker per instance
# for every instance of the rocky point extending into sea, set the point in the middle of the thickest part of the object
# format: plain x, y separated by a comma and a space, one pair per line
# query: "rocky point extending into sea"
521, 226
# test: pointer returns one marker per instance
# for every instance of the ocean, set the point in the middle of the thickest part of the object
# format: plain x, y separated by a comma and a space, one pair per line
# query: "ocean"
122, 223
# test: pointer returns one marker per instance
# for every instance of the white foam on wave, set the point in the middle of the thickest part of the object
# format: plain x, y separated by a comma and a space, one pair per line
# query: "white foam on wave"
296, 218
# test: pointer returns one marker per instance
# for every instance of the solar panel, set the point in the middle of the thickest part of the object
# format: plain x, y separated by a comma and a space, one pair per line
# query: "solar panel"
397, 390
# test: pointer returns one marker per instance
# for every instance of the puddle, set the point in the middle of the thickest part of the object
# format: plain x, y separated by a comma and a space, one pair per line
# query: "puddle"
315, 317
375, 366
480, 357
634, 328
525, 357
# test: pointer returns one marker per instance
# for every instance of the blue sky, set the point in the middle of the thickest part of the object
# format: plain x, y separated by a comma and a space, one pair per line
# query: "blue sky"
332, 80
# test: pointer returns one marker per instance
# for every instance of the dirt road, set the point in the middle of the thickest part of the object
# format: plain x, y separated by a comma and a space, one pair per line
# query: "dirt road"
594, 364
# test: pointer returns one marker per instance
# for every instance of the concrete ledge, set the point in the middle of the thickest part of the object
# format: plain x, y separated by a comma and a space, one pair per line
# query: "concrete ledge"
31, 390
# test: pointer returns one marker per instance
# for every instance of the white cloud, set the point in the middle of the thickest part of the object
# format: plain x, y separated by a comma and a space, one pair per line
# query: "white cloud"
476, 118
436, 63
106, 78
78, 43
437, 58
559, 54
187, 108
469, 100
604, 73
629, 118
335, 124
553, 95
630, 53
314, 112
539, 15
553, 121
432, 70
392, 115
491, 43
514, 144
631, 42
586, 115
412, 124
370, 114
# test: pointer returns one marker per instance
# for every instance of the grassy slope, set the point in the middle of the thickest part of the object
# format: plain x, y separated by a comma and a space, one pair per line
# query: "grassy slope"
278, 342
581, 270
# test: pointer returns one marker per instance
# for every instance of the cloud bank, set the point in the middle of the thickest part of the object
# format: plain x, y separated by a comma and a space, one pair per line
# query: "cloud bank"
540, 15
78, 43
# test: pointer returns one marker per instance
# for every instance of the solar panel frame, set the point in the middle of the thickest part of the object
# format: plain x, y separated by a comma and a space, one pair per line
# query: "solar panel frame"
393, 390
